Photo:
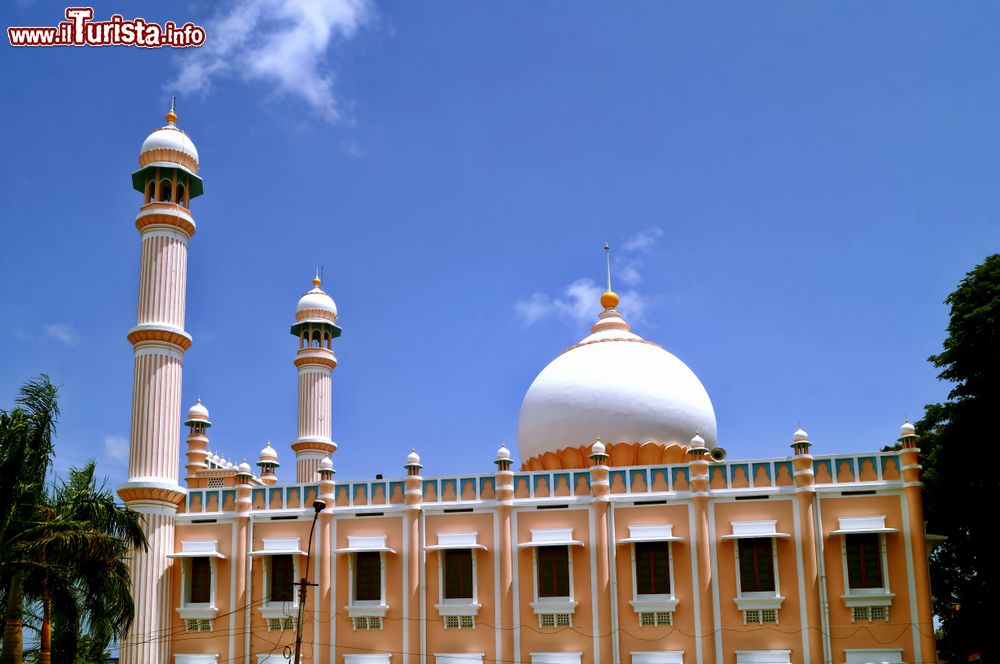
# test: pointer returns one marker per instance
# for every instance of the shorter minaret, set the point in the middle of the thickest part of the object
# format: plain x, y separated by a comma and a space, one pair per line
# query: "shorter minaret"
197, 441
268, 463
316, 327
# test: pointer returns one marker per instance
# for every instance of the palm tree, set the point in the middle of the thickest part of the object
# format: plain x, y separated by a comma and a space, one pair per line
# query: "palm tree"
82, 540
26, 435
63, 551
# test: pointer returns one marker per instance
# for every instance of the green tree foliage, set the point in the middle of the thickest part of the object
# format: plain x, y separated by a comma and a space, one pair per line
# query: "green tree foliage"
63, 550
958, 439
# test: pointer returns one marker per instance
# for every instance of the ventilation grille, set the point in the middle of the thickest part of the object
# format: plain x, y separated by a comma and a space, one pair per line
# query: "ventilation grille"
654, 618
200, 625
459, 622
367, 623
760, 617
216, 483
280, 624
870, 614
555, 620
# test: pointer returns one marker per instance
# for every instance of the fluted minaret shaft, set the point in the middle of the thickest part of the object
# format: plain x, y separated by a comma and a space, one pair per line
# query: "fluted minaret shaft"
313, 442
168, 167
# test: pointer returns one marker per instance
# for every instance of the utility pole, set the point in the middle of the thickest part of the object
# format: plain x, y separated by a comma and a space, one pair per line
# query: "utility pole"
303, 584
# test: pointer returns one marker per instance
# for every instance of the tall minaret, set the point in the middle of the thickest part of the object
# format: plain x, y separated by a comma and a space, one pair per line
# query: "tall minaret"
167, 178
316, 327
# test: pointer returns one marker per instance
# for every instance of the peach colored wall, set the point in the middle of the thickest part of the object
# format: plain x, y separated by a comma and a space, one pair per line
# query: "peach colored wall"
786, 634
896, 633
262, 640
579, 637
218, 639
483, 637
391, 636
680, 636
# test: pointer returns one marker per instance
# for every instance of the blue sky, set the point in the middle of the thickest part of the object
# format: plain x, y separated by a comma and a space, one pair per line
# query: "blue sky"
791, 189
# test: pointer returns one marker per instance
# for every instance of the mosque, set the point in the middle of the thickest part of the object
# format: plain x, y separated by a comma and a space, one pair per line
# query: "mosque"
625, 536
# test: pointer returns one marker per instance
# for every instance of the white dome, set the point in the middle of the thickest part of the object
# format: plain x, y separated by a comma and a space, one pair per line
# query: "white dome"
615, 386
171, 138
907, 429
413, 459
244, 468
313, 300
198, 411
326, 463
503, 453
268, 453
800, 436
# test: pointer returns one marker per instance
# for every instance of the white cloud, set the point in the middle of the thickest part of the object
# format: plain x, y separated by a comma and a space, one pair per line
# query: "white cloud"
282, 43
643, 241
580, 301
63, 333
629, 273
116, 447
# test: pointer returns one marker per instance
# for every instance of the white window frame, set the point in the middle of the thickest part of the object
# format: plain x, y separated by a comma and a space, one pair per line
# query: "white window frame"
658, 657
763, 656
269, 609
869, 655
758, 599
458, 606
276, 546
366, 607
189, 610
854, 597
663, 534
180, 658
554, 604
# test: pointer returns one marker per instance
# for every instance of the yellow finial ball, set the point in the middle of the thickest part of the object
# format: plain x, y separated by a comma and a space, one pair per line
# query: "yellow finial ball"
609, 300
171, 116
317, 281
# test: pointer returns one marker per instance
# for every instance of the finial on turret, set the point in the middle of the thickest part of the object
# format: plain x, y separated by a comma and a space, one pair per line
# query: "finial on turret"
172, 114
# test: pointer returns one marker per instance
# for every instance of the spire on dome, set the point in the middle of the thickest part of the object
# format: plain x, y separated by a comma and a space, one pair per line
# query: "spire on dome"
172, 114
609, 300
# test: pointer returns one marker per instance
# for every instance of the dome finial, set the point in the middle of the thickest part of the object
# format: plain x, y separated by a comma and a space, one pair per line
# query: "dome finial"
317, 280
609, 300
172, 114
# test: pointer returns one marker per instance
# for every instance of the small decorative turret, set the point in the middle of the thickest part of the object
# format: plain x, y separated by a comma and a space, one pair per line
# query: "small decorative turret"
244, 473
413, 463
697, 449
908, 435
598, 453
197, 440
268, 464
600, 484
326, 471
504, 476
800, 441
413, 482
503, 458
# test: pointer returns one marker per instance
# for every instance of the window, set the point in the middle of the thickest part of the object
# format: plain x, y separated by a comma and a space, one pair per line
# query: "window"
864, 560
553, 571
165, 191
368, 576
180, 194
200, 584
282, 578
458, 577
652, 568
756, 565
